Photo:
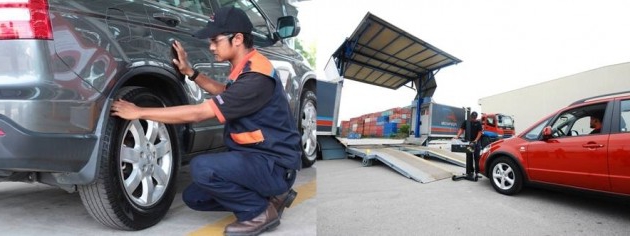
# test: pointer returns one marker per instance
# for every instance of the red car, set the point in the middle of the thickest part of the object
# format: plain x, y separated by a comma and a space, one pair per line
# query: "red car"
567, 149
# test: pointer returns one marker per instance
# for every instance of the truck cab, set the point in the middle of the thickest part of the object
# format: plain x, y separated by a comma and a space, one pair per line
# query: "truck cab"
497, 124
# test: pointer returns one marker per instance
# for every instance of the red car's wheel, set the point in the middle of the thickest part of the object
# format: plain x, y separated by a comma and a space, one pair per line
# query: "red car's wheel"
506, 177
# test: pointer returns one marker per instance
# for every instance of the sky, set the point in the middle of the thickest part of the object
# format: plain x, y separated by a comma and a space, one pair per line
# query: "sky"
503, 44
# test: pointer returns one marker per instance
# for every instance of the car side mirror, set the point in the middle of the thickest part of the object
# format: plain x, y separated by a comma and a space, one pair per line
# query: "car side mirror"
288, 26
546, 133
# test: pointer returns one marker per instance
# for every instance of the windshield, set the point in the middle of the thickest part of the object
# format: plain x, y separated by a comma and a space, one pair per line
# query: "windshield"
505, 121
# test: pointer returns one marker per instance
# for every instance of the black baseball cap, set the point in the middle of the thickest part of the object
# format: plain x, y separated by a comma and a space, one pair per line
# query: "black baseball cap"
226, 20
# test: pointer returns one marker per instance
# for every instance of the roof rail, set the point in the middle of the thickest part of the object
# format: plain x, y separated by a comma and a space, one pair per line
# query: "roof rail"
599, 96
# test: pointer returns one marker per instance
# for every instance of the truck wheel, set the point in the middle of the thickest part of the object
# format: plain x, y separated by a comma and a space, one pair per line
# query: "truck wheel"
307, 125
506, 177
137, 169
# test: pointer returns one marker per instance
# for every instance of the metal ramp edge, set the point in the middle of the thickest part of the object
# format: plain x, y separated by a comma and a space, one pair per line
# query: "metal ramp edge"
416, 141
446, 156
402, 162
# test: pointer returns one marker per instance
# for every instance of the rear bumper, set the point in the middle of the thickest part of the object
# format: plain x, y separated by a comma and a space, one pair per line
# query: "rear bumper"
23, 150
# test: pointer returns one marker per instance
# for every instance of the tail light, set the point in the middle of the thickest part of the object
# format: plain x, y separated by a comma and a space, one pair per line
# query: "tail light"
1, 133
24, 19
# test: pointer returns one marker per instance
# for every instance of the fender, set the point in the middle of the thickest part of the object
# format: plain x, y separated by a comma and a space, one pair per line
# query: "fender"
308, 77
89, 172
497, 154
165, 73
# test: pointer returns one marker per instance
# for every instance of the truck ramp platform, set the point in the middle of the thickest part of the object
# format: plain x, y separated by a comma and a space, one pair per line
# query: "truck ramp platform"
437, 153
407, 164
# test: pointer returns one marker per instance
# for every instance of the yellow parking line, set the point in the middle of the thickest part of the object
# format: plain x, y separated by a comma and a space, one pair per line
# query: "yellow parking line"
305, 192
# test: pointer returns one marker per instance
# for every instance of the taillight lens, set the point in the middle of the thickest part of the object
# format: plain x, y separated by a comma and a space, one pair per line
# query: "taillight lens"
1, 133
24, 19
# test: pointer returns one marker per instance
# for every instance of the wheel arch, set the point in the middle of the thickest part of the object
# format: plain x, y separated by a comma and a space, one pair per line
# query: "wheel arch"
158, 79
308, 83
498, 154
161, 80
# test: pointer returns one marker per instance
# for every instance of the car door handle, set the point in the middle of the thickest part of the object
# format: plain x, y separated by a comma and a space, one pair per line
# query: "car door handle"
593, 145
168, 19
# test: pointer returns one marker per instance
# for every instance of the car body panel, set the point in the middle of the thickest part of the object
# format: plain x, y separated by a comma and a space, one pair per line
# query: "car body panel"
619, 147
619, 163
565, 161
510, 147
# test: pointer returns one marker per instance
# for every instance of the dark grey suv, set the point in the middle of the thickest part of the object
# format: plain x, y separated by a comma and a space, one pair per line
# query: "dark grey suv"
64, 61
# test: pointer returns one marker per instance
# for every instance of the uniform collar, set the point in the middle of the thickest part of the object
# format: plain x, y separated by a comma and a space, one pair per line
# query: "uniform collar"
236, 70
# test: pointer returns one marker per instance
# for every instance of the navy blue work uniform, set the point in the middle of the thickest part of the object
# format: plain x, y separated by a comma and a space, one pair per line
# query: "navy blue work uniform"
469, 135
264, 146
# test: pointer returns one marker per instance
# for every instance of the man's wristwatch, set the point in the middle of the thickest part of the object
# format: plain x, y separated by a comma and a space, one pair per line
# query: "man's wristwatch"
193, 76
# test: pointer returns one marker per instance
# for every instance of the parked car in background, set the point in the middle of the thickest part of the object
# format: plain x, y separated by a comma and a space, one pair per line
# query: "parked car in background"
64, 61
563, 150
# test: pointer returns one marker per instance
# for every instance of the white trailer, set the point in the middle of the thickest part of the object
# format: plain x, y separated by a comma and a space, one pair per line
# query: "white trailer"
328, 100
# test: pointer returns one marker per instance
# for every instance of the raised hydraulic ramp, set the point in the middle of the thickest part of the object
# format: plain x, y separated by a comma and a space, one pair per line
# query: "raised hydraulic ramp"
437, 153
403, 162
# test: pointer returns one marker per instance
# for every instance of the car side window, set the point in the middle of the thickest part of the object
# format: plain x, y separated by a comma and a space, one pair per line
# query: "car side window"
261, 32
579, 121
561, 125
582, 126
624, 120
534, 133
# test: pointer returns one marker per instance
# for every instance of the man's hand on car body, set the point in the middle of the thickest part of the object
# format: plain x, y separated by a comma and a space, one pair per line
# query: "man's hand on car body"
182, 59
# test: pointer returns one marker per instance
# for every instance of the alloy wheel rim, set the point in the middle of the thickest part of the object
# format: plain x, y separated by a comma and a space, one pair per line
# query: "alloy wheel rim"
503, 176
309, 130
146, 161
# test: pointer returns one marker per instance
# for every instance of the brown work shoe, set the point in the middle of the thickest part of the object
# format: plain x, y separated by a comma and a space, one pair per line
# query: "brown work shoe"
283, 201
265, 221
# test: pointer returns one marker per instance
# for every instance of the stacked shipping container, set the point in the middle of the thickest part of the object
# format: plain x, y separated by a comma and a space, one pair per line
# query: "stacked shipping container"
378, 124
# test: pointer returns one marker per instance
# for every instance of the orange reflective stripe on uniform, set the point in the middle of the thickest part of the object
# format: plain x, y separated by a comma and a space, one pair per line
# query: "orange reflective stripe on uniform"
217, 111
238, 69
261, 65
248, 137
252, 62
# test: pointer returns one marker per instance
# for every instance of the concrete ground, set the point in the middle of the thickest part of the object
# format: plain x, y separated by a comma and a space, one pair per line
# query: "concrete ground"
376, 200
36, 209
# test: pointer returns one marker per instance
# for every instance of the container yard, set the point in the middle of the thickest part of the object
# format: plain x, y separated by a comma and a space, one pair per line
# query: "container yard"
385, 124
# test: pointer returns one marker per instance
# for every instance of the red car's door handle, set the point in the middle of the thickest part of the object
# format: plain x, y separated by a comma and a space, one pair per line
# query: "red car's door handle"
593, 145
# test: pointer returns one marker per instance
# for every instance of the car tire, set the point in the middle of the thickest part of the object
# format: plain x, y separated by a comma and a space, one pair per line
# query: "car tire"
307, 124
137, 169
506, 177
